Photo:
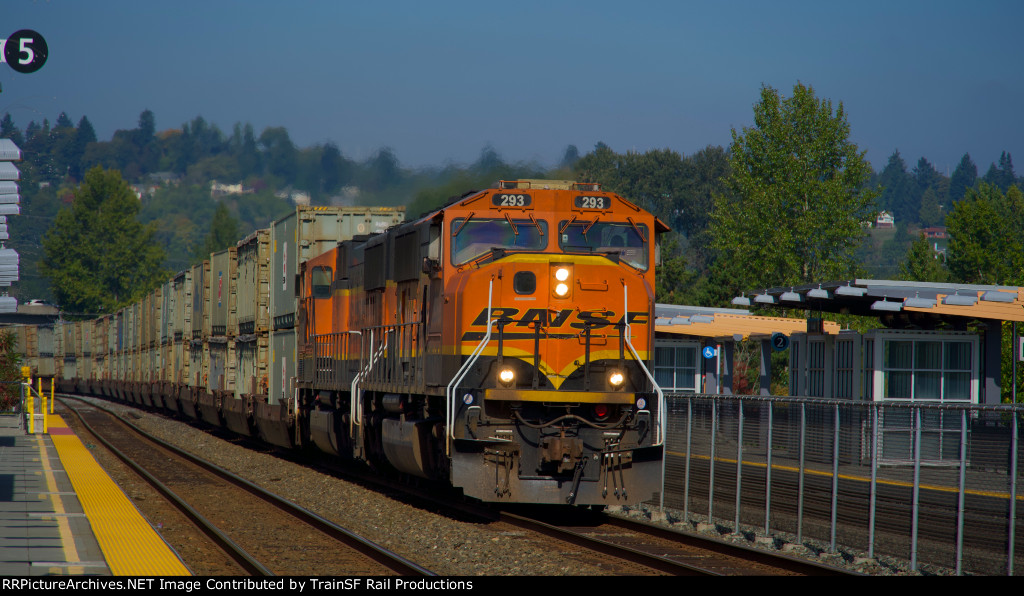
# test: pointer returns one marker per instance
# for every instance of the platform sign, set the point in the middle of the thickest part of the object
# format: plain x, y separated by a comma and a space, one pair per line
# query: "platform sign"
779, 341
25, 51
710, 352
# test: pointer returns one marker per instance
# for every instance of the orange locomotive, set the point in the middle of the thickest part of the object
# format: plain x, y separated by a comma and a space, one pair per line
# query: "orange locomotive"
500, 344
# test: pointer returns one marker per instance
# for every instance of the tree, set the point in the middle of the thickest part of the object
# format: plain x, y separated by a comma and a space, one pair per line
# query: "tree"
923, 263
927, 178
898, 192
570, 157
96, 254
8, 130
1002, 176
930, 213
799, 200
964, 176
223, 232
10, 371
986, 237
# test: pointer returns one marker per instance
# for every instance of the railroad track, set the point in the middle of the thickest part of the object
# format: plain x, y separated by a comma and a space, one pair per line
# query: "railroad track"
644, 546
260, 533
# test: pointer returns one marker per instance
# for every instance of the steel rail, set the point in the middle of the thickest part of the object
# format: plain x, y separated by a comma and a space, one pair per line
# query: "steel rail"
237, 553
391, 560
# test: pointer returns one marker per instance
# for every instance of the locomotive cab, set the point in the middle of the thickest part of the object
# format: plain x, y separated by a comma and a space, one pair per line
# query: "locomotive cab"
500, 344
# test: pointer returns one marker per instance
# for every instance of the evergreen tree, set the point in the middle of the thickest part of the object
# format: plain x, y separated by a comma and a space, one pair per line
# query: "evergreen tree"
1002, 176
223, 232
63, 121
570, 157
8, 130
898, 191
930, 213
965, 176
96, 254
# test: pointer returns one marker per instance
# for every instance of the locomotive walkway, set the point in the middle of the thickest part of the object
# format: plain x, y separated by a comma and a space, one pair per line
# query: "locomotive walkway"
61, 514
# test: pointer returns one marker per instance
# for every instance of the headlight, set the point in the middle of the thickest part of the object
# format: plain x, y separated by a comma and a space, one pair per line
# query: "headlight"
561, 289
616, 379
506, 376
562, 274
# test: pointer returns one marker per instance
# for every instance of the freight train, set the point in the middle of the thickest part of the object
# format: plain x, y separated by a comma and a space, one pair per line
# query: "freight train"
501, 344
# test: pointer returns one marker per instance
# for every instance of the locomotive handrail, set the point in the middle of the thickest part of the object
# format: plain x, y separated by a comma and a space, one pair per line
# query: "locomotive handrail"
662, 429
356, 405
464, 370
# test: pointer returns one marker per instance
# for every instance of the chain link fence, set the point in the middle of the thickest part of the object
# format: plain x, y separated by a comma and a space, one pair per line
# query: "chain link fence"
935, 484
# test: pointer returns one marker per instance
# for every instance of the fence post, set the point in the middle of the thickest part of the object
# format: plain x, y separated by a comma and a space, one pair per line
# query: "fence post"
739, 464
800, 480
874, 480
768, 473
915, 500
711, 462
1013, 491
689, 443
835, 476
961, 492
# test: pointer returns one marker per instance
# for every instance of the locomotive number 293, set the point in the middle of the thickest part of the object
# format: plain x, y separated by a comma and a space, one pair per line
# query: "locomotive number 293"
585, 202
510, 200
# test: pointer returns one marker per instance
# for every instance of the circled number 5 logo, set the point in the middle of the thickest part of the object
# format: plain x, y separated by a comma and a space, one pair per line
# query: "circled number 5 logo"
25, 51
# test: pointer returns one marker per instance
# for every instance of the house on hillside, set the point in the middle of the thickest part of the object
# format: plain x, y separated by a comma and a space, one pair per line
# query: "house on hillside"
885, 220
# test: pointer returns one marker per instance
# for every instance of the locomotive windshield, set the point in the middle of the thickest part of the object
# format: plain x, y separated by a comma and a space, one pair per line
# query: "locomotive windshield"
474, 237
627, 240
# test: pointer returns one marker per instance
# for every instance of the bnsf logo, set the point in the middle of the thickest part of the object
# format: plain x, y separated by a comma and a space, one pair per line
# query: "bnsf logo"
542, 316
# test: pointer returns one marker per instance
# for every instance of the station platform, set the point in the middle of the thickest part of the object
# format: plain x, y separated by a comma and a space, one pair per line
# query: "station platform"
62, 514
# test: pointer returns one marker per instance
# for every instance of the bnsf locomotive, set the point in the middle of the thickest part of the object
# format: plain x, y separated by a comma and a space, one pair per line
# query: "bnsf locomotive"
501, 344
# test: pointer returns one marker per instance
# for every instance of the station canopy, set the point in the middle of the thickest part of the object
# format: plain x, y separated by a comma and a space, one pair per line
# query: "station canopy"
726, 323
914, 303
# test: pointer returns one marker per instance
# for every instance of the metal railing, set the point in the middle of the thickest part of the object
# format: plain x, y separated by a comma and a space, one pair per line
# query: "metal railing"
934, 484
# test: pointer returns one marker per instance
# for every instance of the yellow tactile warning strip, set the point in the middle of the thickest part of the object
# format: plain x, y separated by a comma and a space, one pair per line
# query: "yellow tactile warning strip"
63, 527
130, 545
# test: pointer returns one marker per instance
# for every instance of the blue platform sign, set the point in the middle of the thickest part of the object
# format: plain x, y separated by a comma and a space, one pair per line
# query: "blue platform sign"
709, 352
779, 341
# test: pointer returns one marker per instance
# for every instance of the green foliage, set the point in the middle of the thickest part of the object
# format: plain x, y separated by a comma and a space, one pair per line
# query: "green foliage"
10, 371
986, 237
930, 213
176, 211
1002, 176
97, 255
923, 263
679, 191
964, 176
488, 169
798, 201
223, 232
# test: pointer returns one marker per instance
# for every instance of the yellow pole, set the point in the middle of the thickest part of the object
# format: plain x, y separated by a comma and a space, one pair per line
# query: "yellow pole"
30, 409
51, 395
42, 402
26, 372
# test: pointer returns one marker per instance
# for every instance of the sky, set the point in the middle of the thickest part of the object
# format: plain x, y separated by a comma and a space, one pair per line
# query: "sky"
439, 81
